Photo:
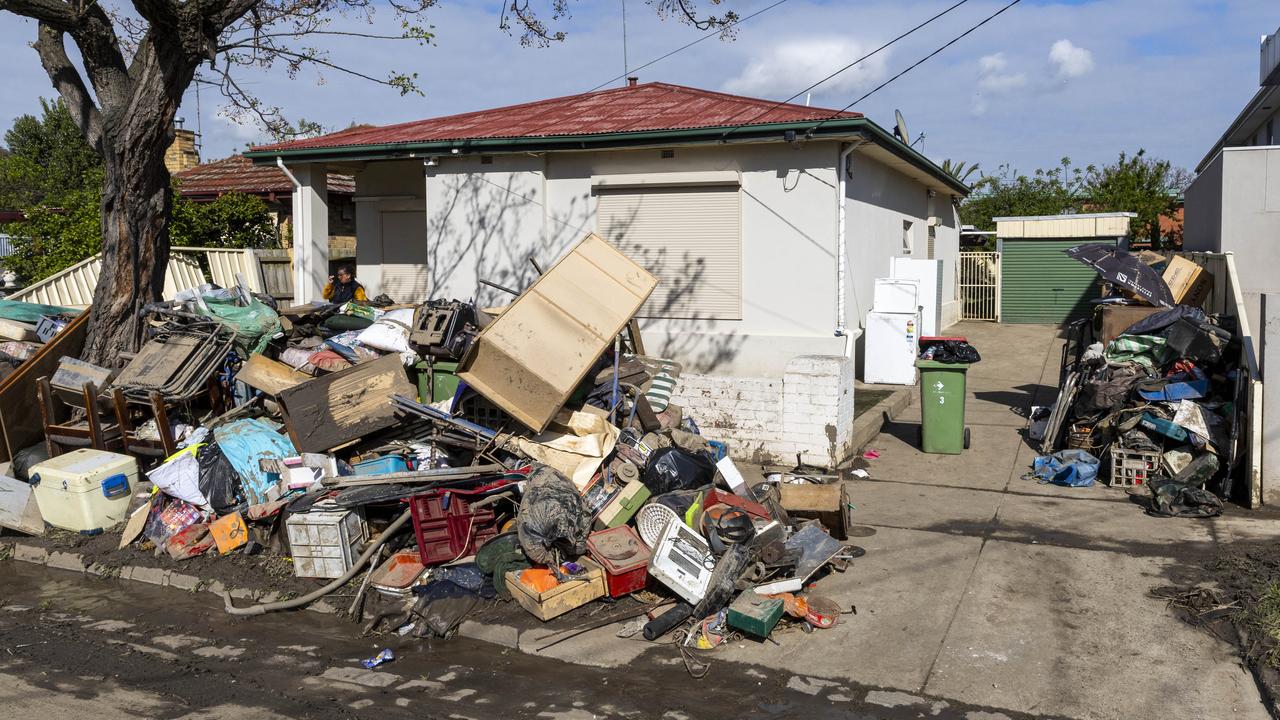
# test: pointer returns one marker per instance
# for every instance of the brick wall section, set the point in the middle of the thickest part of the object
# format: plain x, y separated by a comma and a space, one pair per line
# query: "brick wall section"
809, 410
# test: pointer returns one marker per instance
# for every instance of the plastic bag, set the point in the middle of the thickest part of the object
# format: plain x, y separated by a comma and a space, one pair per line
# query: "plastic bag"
179, 476
674, 468
390, 333
245, 443
1072, 468
254, 324
1170, 498
553, 521
219, 482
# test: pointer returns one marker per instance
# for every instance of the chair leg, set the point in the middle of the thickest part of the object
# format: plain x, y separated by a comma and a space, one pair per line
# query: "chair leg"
44, 398
91, 417
161, 414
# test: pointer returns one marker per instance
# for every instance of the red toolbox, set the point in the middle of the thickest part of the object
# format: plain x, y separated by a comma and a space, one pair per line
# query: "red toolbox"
624, 558
446, 526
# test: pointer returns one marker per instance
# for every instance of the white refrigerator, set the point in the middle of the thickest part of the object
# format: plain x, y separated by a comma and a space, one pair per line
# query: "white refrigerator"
892, 347
929, 274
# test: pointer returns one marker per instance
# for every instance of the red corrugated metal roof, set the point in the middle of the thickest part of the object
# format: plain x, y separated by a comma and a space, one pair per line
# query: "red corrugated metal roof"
238, 174
646, 107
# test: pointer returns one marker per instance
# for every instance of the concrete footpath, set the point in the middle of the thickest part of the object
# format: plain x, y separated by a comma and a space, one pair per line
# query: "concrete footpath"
983, 588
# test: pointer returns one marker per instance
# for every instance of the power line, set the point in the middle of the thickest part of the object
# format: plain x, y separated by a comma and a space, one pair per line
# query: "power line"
869, 55
916, 64
682, 48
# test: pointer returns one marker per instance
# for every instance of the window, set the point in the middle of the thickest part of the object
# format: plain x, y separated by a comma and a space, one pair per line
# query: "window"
906, 237
688, 236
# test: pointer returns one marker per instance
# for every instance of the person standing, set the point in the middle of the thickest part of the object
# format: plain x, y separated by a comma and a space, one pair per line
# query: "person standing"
343, 288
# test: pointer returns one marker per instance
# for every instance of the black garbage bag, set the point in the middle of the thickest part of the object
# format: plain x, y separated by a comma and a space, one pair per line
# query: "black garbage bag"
1155, 322
1170, 498
952, 351
553, 522
219, 482
672, 468
27, 458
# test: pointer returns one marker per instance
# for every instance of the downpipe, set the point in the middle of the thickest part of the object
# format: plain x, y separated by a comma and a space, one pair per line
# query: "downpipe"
842, 254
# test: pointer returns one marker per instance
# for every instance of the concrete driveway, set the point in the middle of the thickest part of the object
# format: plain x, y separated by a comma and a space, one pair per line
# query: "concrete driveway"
985, 588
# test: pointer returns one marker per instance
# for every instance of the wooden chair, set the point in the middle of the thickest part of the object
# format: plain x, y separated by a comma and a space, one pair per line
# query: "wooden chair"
141, 447
60, 432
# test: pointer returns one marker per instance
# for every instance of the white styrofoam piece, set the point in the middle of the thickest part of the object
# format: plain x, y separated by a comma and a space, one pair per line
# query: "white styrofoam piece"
737, 483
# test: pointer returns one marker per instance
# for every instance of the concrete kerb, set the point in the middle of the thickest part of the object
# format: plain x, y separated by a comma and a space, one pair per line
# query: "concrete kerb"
22, 552
869, 424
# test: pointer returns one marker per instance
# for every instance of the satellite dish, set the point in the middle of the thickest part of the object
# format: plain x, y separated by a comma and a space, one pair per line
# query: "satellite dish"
900, 130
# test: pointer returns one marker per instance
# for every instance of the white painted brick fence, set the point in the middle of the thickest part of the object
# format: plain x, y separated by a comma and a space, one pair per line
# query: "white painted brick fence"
809, 410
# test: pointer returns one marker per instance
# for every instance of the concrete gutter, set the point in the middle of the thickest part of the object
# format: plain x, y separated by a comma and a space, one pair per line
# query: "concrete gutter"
869, 424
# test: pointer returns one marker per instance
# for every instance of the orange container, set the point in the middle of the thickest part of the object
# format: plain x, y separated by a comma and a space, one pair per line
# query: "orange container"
398, 573
229, 532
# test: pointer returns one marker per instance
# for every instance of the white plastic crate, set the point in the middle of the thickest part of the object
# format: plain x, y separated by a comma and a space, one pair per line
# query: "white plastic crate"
325, 541
1133, 467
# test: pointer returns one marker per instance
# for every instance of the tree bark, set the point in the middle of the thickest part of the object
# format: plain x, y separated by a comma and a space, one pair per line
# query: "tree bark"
136, 201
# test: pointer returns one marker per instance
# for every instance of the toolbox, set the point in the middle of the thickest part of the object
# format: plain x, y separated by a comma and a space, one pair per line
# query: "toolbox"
754, 613
85, 490
624, 505
624, 558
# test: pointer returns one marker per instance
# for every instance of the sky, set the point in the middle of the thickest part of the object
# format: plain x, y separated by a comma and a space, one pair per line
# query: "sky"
1044, 80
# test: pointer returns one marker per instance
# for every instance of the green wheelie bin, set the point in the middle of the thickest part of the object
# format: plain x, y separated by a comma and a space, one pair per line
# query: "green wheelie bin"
942, 393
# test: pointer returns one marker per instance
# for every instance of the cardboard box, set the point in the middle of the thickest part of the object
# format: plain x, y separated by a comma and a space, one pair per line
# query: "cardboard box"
1189, 283
531, 359
1115, 319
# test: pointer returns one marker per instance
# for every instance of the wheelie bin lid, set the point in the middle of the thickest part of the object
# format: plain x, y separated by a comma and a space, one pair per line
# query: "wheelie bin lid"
935, 365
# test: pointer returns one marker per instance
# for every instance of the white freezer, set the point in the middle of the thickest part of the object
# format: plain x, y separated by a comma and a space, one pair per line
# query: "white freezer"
929, 274
896, 295
892, 346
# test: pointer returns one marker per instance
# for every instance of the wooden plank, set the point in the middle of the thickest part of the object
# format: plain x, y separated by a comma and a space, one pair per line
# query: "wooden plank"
328, 411
20, 424
269, 376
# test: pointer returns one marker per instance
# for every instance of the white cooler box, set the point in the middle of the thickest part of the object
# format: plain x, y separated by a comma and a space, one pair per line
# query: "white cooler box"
84, 490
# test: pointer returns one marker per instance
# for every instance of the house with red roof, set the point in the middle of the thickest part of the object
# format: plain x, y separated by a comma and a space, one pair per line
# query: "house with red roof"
209, 181
766, 223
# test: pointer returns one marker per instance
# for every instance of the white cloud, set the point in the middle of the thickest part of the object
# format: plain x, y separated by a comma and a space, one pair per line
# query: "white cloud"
994, 78
993, 74
1070, 61
787, 67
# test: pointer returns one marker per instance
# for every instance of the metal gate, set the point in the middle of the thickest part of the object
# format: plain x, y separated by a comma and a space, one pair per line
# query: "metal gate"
979, 281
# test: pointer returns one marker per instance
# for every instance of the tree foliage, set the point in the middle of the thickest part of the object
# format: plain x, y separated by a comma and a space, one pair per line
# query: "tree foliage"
234, 220
48, 159
53, 238
1134, 183
1008, 193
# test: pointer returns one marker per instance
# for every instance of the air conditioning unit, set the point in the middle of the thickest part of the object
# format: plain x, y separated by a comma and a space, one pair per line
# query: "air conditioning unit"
1270, 60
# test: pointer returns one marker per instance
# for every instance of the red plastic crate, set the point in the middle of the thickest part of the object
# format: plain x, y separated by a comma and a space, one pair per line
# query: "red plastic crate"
447, 528
623, 556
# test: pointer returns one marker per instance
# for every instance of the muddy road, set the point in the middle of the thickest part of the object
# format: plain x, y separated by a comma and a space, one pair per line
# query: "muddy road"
77, 647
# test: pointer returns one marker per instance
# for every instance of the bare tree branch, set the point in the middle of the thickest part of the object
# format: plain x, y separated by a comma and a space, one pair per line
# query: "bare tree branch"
67, 81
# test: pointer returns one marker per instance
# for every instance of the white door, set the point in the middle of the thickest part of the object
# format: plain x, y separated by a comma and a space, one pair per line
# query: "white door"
404, 257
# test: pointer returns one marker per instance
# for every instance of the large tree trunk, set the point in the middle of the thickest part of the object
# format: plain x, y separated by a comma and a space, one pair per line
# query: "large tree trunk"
135, 237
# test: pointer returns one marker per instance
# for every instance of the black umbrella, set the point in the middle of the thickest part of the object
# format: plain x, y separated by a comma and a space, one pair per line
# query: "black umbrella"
1119, 268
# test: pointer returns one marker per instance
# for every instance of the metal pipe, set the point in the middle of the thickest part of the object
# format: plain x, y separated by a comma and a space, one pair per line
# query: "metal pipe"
842, 254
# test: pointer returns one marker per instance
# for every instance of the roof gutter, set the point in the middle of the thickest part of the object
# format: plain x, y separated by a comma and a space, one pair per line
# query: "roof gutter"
840, 128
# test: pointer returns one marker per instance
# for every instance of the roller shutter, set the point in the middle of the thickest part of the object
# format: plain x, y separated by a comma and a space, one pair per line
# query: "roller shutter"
1040, 284
689, 237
